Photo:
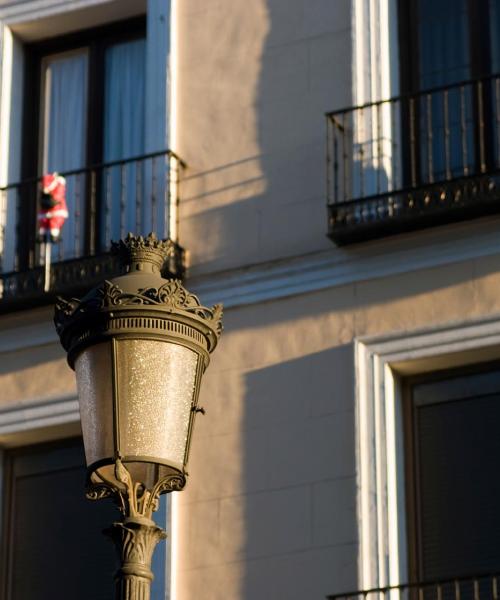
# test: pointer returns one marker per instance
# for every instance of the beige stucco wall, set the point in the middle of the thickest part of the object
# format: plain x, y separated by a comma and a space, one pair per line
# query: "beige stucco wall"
270, 510
32, 364
255, 79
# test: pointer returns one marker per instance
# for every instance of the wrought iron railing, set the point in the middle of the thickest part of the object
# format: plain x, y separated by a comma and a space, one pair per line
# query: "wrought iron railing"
414, 161
478, 587
105, 202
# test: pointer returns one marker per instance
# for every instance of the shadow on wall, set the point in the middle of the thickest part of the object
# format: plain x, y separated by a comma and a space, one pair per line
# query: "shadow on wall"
306, 70
261, 190
299, 490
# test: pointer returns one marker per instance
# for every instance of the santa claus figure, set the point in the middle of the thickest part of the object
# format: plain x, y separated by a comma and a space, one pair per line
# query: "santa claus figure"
53, 210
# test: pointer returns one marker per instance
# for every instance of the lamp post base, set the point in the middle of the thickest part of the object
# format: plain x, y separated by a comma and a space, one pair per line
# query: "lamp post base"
135, 539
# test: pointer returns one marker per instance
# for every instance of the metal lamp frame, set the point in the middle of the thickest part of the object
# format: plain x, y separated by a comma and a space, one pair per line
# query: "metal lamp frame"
139, 305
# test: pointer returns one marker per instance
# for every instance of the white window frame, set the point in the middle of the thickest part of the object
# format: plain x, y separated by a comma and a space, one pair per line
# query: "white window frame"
375, 68
380, 363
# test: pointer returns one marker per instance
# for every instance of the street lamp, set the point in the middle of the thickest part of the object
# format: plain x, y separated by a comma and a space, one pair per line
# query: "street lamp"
139, 345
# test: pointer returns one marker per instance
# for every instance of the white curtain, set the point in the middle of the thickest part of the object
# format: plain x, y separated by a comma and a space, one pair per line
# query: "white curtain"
64, 105
124, 186
65, 108
124, 100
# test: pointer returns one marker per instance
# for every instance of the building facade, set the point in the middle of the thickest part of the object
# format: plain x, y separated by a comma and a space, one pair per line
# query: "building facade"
350, 429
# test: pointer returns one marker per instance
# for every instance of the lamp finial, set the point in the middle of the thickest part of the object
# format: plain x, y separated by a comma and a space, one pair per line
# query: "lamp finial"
140, 253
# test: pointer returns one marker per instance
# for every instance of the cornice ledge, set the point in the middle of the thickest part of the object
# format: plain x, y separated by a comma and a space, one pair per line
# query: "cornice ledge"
314, 272
32, 414
30, 10
342, 266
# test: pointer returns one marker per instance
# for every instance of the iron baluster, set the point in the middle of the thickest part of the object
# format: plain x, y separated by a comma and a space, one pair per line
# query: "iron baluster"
76, 246
446, 134
18, 229
497, 118
3, 217
394, 182
330, 149
379, 147
92, 212
476, 589
413, 143
361, 142
175, 197
138, 195
107, 207
480, 109
167, 194
463, 131
430, 136
153, 194
345, 158
420, 593
123, 203
60, 246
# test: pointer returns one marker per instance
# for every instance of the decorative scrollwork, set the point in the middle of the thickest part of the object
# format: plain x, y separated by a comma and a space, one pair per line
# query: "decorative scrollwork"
171, 295
65, 309
353, 220
133, 498
98, 492
79, 322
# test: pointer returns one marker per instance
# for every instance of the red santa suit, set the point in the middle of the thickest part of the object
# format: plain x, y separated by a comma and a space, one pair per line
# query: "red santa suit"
53, 210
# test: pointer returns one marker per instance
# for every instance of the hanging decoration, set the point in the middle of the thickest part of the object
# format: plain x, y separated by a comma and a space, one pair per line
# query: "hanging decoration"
51, 216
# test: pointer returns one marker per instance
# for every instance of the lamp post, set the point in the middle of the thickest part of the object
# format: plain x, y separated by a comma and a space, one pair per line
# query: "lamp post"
139, 345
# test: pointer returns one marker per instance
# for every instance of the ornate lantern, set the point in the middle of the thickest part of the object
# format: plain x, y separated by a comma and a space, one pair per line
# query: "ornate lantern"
139, 345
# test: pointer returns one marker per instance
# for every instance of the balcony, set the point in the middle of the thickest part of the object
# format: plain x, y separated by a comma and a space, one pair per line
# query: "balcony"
105, 202
479, 587
414, 161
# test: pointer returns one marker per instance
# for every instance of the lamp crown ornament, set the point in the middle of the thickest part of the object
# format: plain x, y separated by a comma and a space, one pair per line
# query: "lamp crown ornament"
80, 321
140, 253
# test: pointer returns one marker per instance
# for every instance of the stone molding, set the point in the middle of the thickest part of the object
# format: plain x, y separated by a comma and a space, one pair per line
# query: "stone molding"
380, 363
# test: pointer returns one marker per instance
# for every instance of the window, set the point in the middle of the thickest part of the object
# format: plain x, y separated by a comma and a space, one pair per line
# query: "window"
52, 541
85, 98
447, 46
448, 41
453, 491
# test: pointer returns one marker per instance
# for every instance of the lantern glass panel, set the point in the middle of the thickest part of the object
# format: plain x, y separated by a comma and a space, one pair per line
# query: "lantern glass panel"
156, 383
94, 383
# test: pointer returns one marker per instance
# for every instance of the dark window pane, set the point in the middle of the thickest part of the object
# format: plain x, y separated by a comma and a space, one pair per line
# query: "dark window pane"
56, 548
457, 447
494, 6
443, 42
